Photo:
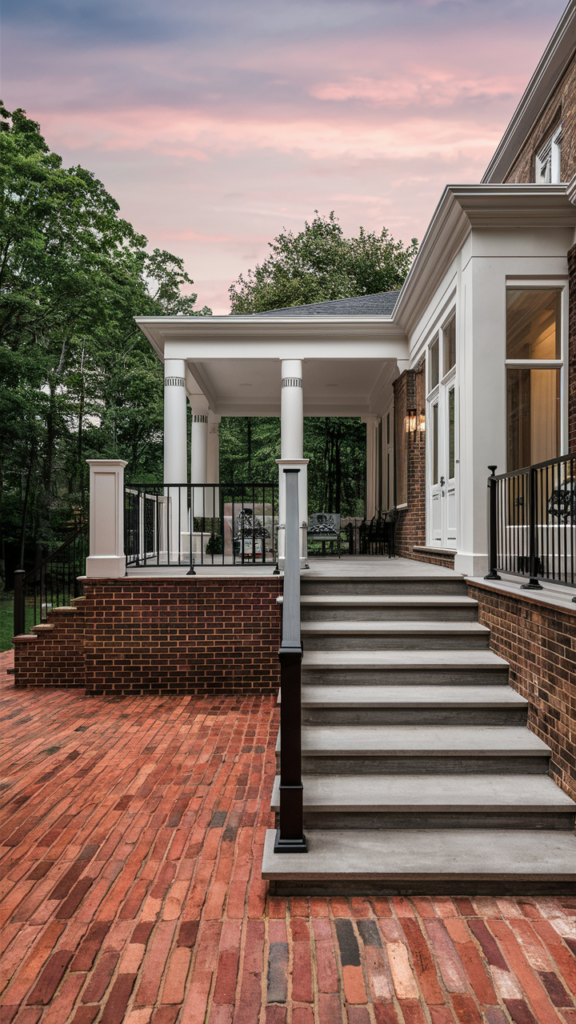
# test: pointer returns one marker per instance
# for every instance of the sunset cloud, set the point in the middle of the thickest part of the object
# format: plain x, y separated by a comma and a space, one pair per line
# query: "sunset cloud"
215, 125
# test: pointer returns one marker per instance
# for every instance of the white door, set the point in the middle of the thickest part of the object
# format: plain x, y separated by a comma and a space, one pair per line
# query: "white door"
442, 439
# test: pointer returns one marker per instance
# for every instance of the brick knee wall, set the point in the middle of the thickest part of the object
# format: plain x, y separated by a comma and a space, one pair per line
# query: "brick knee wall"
187, 634
53, 654
539, 642
180, 635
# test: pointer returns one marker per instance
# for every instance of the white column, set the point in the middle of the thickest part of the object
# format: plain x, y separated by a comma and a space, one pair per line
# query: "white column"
291, 448
106, 558
175, 456
372, 468
199, 452
213, 448
175, 431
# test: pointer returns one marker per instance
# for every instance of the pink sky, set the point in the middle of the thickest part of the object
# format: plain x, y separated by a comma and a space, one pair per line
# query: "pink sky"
215, 125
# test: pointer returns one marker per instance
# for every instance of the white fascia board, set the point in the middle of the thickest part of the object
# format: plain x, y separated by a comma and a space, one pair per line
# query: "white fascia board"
552, 66
463, 208
200, 351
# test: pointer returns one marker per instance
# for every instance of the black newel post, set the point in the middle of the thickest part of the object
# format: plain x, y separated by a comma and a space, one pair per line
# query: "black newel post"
492, 573
533, 583
290, 836
19, 606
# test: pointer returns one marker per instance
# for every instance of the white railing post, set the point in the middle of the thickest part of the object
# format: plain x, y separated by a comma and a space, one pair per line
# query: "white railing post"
106, 556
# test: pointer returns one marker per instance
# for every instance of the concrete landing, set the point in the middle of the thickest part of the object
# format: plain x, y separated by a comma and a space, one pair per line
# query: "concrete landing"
369, 860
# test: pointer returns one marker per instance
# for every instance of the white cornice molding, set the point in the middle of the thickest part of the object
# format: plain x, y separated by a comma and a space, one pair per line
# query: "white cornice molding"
554, 61
463, 208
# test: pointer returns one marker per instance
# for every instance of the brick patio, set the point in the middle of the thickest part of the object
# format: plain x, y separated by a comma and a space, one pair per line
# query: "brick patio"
131, 847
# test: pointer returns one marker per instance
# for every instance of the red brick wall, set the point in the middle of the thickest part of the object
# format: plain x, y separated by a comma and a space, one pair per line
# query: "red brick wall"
410, 393
572, 351
56, 656
539, 642
561, 107
191, 634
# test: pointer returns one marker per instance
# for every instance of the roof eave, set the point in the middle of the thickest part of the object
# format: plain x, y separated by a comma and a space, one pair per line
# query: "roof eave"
463, 208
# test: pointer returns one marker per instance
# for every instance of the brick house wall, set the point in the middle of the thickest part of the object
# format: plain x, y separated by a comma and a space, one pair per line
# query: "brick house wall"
572, 350
539, 642
410, 459
560, 108
185, 635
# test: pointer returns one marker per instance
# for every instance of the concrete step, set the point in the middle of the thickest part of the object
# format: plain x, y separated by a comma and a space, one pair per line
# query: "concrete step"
388, 607
416, 749
418, 705
404, 668
431, 861
443, 583
381, 636
433, 801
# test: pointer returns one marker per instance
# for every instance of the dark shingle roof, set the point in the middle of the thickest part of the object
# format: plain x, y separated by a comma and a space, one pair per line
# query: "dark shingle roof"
380, 304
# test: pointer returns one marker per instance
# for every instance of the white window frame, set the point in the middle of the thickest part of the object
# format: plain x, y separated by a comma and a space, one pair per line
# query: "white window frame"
561, 285
445, 381
547, 169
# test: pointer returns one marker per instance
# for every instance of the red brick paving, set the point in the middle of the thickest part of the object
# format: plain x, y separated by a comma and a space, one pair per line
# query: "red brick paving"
131, 844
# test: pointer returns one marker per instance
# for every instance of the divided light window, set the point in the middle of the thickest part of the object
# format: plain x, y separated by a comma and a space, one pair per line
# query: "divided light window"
442, 353
533, 375
547, 169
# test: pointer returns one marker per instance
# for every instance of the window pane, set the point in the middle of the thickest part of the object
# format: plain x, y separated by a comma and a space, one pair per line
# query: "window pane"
449, 344
533, 323
451, 434
533, 416
434, 367
435, 444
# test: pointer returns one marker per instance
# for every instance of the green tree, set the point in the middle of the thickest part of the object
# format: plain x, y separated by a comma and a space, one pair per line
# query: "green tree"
314, 265
77, 377
319, 263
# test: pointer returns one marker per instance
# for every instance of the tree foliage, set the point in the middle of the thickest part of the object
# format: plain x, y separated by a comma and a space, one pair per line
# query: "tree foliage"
78, 379
314, 265
319, 263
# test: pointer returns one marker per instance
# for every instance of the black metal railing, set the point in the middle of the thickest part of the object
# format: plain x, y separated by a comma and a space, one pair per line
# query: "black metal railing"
200, 524
52, 583
290, 836
532, 522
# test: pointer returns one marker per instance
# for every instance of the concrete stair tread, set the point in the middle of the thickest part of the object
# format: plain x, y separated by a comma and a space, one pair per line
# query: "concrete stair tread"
425, 740
422, 793
402, 659
426, 854
379, 696
418, 626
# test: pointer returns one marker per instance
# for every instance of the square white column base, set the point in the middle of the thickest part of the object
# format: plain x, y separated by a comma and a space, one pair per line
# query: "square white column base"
101, 566
470, 564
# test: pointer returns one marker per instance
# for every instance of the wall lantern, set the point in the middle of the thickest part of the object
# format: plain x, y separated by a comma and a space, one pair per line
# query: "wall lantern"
422, 424
410, 421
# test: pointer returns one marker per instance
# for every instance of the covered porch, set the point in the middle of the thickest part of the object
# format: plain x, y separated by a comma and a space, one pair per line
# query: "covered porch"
268, 365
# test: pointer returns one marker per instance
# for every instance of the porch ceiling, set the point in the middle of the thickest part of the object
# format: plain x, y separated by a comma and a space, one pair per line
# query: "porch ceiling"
332, 387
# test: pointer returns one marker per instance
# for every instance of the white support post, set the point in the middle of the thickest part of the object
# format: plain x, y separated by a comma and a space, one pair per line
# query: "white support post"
199, 452
106, 558
292, 450
175, 455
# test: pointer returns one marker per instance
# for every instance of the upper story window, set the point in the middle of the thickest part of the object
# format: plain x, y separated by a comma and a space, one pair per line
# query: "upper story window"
548, 160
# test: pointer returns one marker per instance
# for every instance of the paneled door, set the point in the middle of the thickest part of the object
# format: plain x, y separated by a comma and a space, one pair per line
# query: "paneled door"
442, 462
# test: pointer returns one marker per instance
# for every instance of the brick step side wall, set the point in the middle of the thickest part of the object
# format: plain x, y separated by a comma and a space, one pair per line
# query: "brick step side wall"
53, 653
539, 642
184, 635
